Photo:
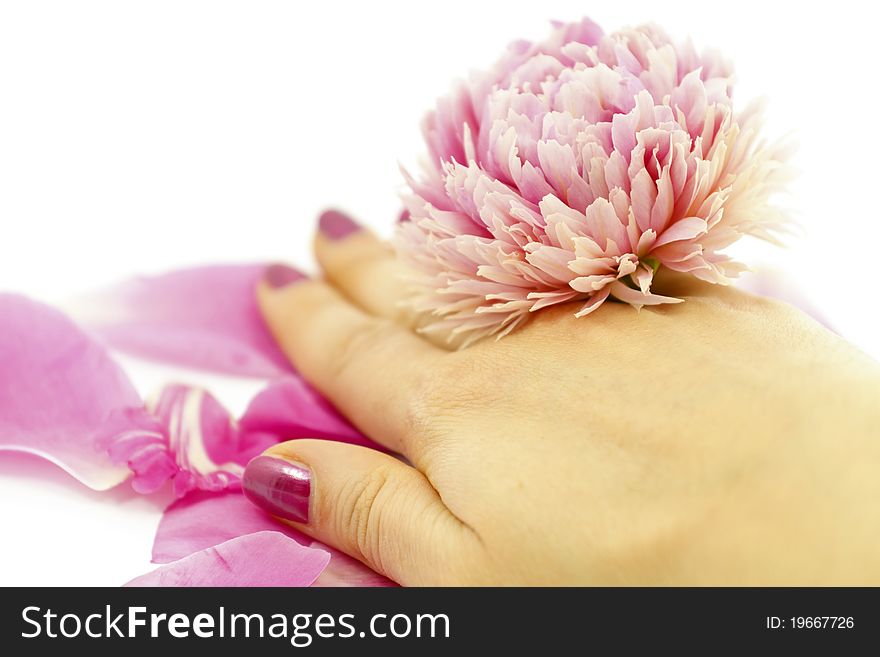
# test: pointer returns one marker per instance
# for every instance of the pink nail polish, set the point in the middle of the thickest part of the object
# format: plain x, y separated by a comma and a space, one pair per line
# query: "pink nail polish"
281, 276
335, 225
280, 487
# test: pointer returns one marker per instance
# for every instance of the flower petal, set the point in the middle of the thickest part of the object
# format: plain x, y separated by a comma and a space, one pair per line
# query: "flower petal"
290, 408
61, 395
267, 558
202, 520
343, 571
625, 147
206, 317
203, 439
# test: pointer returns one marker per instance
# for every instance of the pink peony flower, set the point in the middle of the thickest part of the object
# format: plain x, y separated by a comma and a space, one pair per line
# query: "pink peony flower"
573, 170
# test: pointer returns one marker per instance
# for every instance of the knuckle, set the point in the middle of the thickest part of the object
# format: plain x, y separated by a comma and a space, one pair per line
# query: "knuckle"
360, 517
454, 393
435, 395
351, 346
402, 313
462, 383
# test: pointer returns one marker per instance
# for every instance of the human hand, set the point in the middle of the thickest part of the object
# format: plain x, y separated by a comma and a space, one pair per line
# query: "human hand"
725, 440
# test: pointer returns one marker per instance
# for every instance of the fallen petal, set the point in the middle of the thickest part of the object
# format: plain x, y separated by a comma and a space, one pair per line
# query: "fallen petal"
202, 437
290, 408
267, 558
202, 520
343, 571
206, 317
61, 395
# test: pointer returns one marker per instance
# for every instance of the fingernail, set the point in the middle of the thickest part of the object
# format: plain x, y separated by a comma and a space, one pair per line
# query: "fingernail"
280, 487
281, 275
335, 225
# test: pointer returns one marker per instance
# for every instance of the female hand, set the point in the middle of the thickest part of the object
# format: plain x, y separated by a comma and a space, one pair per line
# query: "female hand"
729, 439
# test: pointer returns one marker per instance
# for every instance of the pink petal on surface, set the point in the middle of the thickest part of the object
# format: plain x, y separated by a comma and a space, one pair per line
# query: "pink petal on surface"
61, 395
290, 408
145, 453
210, 449
202, 520
343, 571
206, 317
203, 438
266, 558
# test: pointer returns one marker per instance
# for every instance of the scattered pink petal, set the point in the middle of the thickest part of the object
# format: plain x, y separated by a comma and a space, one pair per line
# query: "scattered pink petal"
343, 571
62, 397
146, 454
202, 437
290, 408
266, 558
209, 449
206, 317
65, 399
202, 520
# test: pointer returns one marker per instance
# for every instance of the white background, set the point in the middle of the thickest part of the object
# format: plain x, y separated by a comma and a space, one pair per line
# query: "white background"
141, 136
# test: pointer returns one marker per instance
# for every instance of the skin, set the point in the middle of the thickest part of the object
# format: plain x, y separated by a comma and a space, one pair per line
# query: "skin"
729, 439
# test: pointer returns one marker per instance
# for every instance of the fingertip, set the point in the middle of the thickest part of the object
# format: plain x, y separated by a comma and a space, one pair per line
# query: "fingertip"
364, 502
336, 225
279, 486
279, 275
278, 278
275, 295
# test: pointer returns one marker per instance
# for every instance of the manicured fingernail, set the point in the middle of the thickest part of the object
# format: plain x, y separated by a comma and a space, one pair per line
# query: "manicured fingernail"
280, 487
281, 275
335, 225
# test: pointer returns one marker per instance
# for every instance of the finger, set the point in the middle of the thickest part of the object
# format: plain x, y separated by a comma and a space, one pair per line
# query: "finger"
681, 285
363, 502
369, 367
362, 267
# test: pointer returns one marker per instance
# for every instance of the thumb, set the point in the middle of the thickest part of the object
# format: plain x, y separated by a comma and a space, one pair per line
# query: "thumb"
365, 503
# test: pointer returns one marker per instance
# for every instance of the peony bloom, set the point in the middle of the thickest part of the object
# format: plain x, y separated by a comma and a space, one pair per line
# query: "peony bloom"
573, 170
